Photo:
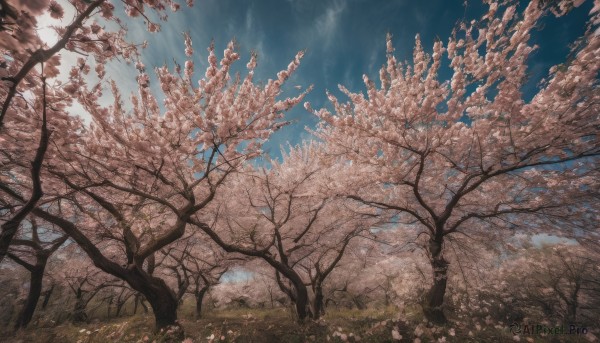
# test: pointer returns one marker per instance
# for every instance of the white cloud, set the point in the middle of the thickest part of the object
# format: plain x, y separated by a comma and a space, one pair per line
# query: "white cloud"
374, 61
321, 30
326, 25
249, 20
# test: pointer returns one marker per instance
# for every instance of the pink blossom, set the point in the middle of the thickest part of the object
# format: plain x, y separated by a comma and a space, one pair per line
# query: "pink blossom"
56, 10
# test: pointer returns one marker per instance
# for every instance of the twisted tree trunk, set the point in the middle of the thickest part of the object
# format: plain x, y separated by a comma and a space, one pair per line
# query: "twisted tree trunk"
35, 290
199, 298
434, 301
318, 303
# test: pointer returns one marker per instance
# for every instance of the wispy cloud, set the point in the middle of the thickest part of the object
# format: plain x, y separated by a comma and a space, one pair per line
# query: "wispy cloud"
319, 30
249, 19
327, 24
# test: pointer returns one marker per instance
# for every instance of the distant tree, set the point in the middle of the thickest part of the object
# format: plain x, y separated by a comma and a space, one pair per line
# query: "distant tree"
83, 281
561, 281
281, 216
32, 250
196, 264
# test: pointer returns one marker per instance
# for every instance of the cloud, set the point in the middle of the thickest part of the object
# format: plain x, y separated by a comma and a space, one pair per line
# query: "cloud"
374, 61
249, 19
318, 30
326, 25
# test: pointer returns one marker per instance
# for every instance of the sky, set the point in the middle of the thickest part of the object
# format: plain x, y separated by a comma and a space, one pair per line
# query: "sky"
343, 39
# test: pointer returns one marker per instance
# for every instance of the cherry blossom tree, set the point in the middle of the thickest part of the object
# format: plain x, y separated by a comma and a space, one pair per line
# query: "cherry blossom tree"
22, 49
134, 178
85, 282
11, 287
13, 169
280, 216
246, 293
373, 274
32, 252
473, 152
196, 264
260, 223
559, 281
329, 256
204, 279
266, 280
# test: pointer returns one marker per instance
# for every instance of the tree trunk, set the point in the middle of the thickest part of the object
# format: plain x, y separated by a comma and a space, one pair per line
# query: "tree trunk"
47, 296
9, 228
358, 302
199, 298
139, 300
298, 295
162, 299
82, 299
79, 314
301, 301
434, 301
271, 298
318, 304
119, 308
571, 313
35, 290
109, 306
573, 304
142, 302
159, 295
165, 309
135, 304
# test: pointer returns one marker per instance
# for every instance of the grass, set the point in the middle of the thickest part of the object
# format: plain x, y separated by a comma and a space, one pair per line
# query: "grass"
278, 326
234, 325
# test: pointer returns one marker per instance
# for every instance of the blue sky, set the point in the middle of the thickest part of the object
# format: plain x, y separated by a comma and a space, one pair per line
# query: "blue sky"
343, 39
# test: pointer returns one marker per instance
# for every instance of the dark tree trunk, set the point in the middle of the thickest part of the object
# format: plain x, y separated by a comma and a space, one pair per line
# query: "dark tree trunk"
79, 314
199, 298
434, 301
162, 299
35, 290
47, 296
36, 273
109, 306
165, 309
9, 228
318, 304
301, 301
143, 303
121, 301
358, 302
271, 298
573, 304
136, 300
298, 295
139, 300
119, 308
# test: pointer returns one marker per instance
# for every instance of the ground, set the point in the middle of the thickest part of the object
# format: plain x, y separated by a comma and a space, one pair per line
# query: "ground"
278, 326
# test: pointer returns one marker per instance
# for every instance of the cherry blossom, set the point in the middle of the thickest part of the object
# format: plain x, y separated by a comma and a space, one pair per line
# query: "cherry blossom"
471, 153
